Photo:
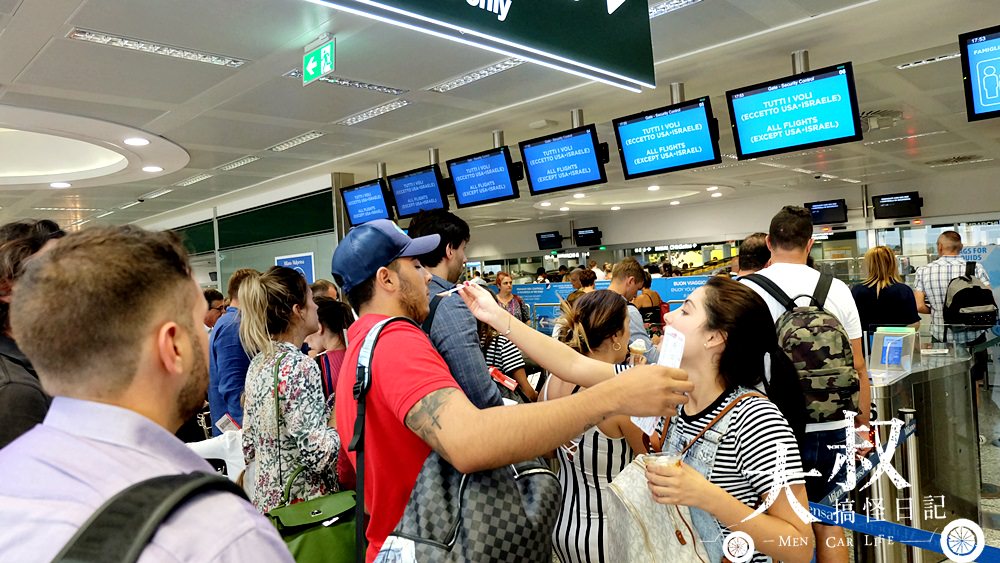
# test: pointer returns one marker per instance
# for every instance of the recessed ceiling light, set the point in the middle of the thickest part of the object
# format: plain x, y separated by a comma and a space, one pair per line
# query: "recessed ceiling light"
579, 196
129, 204
563, 209
712, 188
239, 162
65, 209
156, 194
136, 141
296, 141
922, 62
475, 75
667, 6
60, 185
545, 203
372, 113
717, 194
338, 81
152, 169
157, 48
193, 180
653, 188
105, 214
616, 208
675, 202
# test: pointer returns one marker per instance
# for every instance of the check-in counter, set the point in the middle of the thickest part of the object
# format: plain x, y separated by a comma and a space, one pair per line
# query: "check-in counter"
941, 460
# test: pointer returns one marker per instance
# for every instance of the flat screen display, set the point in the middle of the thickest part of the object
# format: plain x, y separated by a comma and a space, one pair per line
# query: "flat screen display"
981, 71
897, 206
828, 212
802, 111
366, 202
563, 161
589, 236
483, 178
668, 139
549, 240
417, 190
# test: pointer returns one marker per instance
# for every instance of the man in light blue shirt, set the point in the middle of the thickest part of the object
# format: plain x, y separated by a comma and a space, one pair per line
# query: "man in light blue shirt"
124, 355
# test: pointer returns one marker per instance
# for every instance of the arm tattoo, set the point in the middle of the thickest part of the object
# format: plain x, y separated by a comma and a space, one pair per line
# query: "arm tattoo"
423, 418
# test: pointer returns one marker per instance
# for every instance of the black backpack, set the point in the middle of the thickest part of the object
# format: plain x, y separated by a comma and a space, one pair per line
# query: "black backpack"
969, 301
122, 526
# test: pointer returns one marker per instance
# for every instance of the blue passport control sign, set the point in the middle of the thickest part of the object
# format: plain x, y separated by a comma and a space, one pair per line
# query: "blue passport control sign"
794, 113
301, 263
981, 67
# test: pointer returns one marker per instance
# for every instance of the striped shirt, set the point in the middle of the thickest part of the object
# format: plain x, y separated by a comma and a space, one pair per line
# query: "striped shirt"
933, 280
503, 355
746, 461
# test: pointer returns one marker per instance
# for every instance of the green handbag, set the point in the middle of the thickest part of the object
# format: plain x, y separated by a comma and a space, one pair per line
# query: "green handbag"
320, 529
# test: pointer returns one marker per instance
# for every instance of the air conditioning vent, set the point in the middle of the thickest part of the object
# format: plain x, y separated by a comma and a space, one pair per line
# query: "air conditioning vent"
874, 120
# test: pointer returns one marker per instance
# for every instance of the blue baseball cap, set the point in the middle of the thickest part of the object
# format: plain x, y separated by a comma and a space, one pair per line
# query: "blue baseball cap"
372, 245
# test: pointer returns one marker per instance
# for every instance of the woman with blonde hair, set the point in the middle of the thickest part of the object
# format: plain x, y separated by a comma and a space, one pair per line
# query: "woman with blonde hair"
596, 326
287, 424
882, 298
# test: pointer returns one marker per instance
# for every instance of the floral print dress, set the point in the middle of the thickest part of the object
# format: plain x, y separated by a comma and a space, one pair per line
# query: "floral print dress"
299, 435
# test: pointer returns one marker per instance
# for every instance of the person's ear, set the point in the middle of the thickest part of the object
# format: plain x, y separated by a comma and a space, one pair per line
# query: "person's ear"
386, 278
6, 291
809, 245
715, 339
168, 348
767, 241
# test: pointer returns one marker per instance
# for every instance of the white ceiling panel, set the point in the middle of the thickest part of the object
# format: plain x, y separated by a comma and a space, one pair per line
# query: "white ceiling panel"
213, 131
287, 98
247, 29
132, 116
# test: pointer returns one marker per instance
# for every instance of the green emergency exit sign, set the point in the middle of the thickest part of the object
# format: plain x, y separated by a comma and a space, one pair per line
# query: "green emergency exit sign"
318, 62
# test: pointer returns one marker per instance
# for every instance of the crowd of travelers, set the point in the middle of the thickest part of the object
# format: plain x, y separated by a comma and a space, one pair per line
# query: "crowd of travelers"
369, 392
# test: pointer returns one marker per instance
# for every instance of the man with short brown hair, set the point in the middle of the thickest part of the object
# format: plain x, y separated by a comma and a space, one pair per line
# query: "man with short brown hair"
228, 361
324, 288
627, 278
216, 307
126, 367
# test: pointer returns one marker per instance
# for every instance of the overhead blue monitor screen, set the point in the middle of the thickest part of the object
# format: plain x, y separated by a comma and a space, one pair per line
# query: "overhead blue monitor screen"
365, 202
483, 178
803, 111
981, 70
668, 139
417, 190
563, 161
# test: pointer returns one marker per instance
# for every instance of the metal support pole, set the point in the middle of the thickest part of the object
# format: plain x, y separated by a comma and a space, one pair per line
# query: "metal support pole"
576, 118
498, 138
676, 92
218, 255
911, 471
380, 170
864, 202
433, 156
800, 61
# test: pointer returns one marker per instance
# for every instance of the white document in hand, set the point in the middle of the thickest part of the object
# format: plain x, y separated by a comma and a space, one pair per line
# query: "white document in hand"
671, 352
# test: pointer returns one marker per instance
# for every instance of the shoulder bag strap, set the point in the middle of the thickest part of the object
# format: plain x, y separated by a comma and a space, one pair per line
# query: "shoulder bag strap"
822, 289
719, 416
277, 422
362, 384
426, 327
122, 527
772, 289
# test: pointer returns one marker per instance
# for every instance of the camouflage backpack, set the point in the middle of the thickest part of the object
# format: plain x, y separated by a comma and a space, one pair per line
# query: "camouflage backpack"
819, 347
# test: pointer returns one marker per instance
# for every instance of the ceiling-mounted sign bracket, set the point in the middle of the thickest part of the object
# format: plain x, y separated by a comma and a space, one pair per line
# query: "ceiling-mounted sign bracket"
608, 40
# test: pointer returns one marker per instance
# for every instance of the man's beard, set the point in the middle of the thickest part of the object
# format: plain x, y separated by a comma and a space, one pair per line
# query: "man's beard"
414, 300
192, 396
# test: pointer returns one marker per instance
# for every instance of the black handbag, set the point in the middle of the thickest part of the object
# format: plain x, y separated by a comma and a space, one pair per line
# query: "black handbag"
500, 515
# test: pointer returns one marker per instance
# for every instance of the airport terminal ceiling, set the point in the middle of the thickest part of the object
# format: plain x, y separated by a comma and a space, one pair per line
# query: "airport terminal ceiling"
236, 110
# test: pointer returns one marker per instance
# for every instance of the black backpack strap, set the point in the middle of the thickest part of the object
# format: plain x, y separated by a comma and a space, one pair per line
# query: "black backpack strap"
772, 289
362, 384
822, 289
970, 270
426, 327
122, 527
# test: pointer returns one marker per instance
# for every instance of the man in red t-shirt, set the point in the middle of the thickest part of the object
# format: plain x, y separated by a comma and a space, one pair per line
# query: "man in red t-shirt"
414, 404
